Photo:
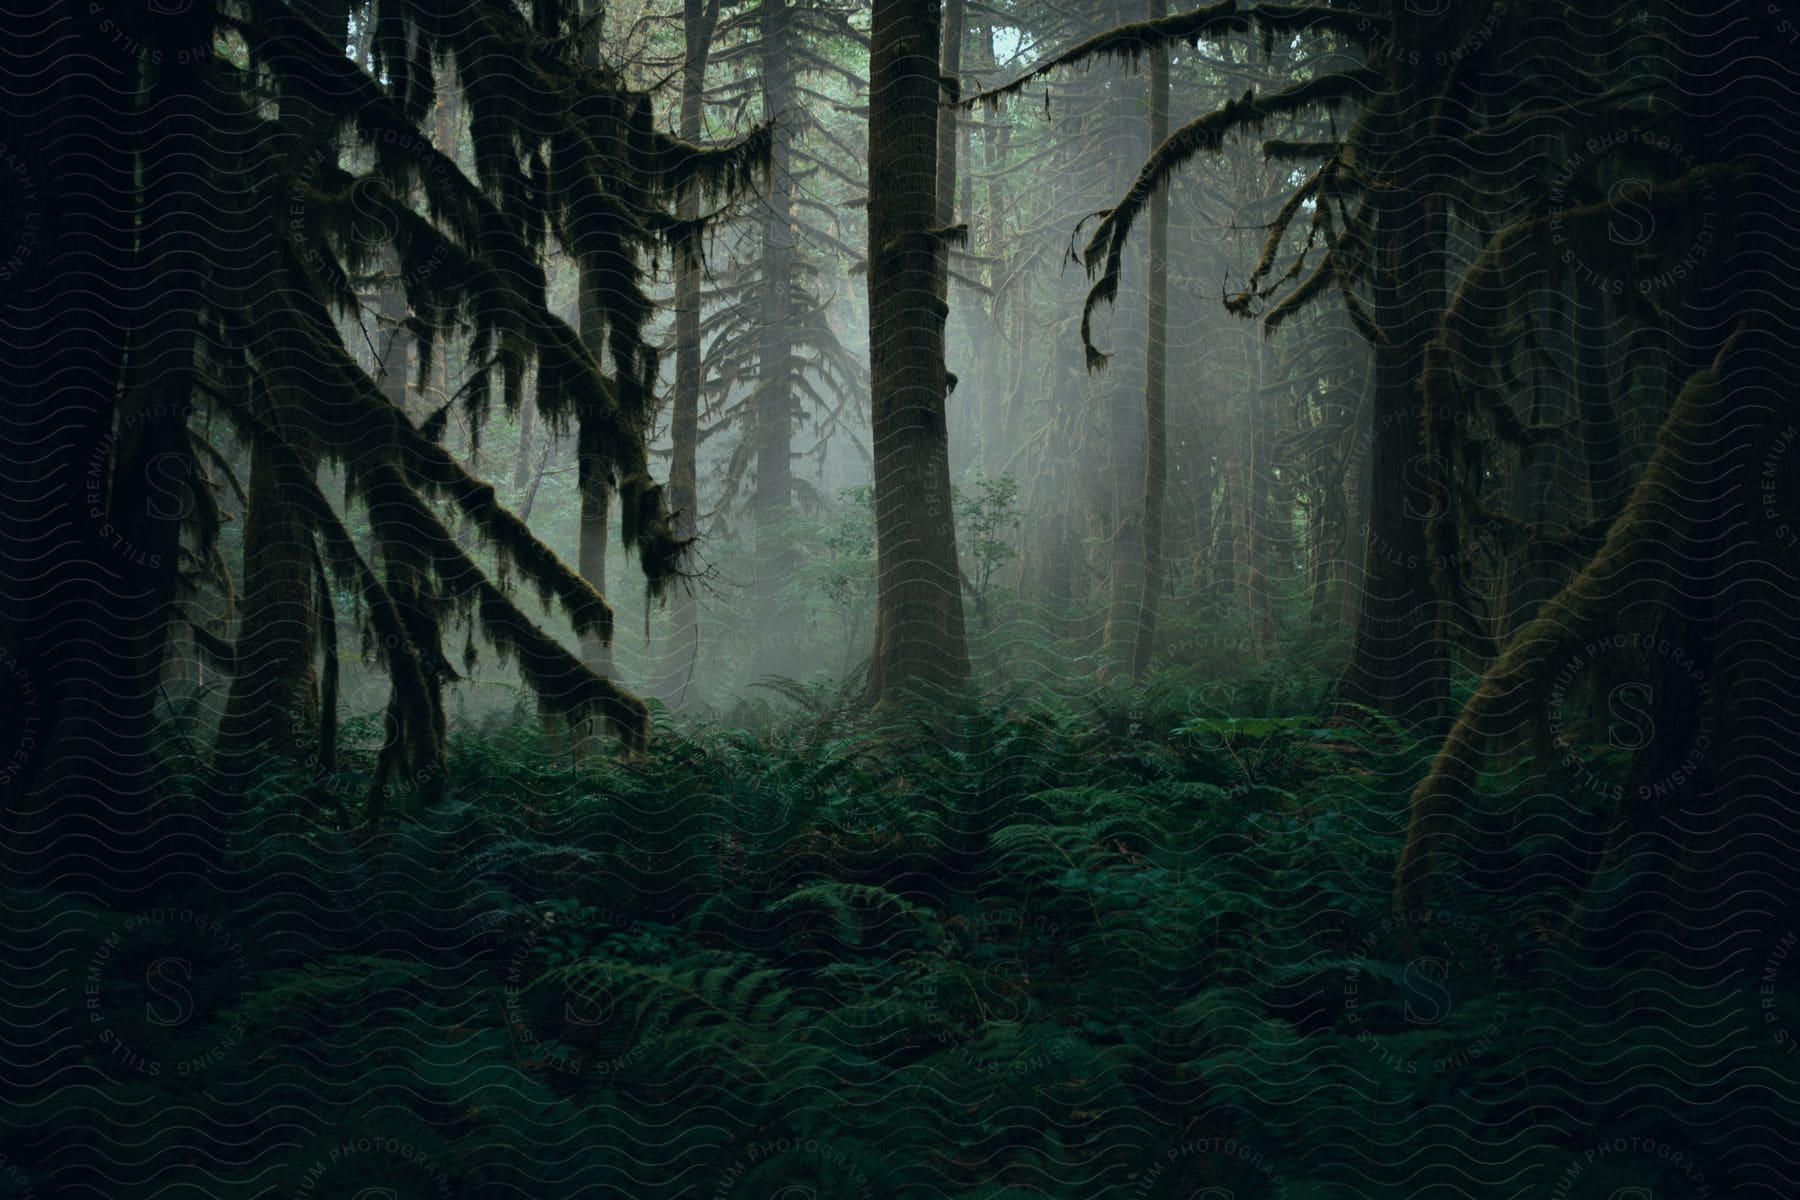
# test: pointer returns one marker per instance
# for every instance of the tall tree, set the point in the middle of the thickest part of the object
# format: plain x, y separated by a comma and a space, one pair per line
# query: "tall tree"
699, 20
594, 470
274, 699
1156, 361
773, 360
774, 416
245, 242
1695, 576
774, 365
1120, 396
919, 634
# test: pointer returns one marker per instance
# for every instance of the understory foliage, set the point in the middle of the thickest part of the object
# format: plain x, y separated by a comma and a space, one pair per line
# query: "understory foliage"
1477, 578
1138, 943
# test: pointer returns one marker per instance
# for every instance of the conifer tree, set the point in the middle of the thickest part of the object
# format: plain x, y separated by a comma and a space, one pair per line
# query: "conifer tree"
259, 222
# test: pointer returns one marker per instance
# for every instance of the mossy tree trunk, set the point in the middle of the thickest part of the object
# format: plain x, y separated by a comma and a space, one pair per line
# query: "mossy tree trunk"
919, 633
1398, 662
416, 724
594, 472
274, 700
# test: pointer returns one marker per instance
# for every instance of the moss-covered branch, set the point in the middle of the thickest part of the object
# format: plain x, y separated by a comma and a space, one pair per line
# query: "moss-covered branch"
1636, 559
1207, 133
1132, 41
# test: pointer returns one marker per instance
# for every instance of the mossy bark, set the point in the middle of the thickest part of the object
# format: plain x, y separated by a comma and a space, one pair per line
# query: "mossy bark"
273, 701
920, 640
1398, 664
595, 480
1510, 703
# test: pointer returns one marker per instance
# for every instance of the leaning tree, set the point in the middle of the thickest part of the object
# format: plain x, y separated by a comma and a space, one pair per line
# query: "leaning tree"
1490, 153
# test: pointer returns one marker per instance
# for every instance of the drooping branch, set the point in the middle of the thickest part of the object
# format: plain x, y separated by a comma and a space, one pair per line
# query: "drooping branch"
1206, 133
399, 657
1526, 247
569, 383
559, 680
1131, 41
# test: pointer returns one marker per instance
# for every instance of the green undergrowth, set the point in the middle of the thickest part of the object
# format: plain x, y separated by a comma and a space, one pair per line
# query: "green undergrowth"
1134, 947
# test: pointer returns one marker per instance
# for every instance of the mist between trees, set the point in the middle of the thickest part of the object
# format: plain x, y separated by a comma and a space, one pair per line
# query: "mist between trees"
523, 389
1211, 592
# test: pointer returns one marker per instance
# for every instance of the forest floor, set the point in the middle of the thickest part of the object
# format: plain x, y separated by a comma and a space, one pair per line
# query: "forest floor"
1107, 949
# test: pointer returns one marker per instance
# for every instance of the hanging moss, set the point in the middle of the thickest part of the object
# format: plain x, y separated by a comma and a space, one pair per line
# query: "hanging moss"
1131, 41
316, 204
1105, 251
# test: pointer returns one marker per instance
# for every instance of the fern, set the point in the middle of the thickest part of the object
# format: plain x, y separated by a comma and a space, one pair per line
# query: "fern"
1032, 958
841, 903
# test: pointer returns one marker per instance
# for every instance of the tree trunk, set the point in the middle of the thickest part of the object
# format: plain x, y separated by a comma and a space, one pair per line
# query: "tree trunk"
273, 702
948, 122
1122, 497
919, 635
1049, 568
1532, 574
83, 632
774, 413
1228, 524
1156, 360
995, 141
416, 725
595, 477
699, 18
595, 471
1356, 512
1398, 661
1259, 510
527, 440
